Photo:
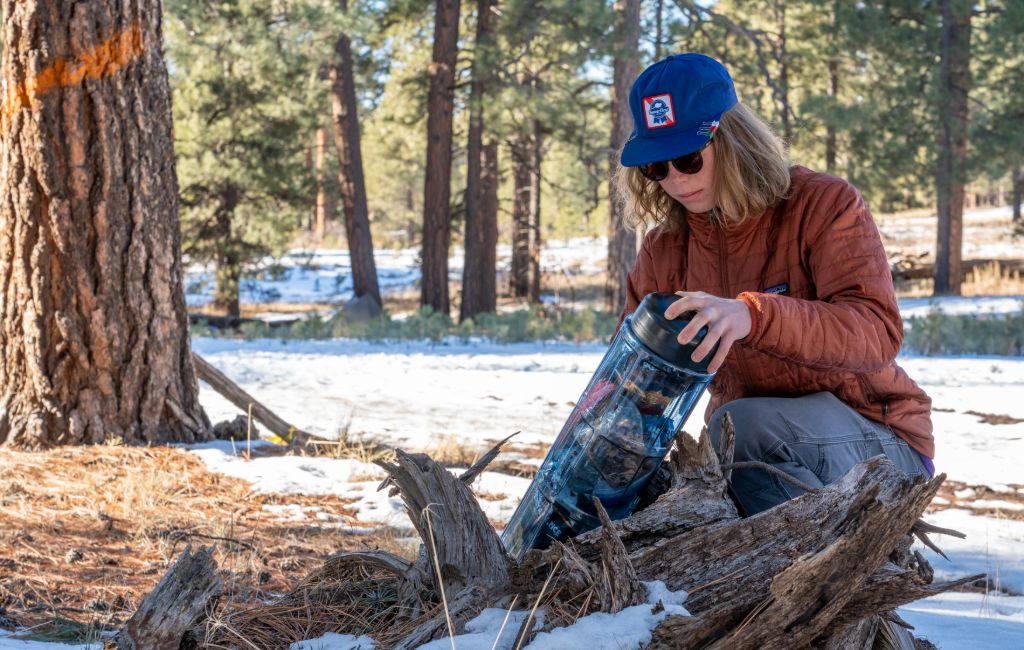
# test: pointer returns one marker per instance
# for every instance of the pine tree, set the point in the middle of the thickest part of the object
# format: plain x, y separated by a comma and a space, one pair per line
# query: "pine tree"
95, 343
625, 68
348, 143
437, 185
479, 293
243, 93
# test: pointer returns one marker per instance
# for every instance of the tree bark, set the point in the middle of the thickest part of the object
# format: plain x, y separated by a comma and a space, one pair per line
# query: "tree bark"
831, 132
954, 84
522, 204
179, 601
325, 201
95, 341
437, 186
350, 170
536, 238
227, 257
812, 572
626, 68
1017, 181
782, 90
479, 291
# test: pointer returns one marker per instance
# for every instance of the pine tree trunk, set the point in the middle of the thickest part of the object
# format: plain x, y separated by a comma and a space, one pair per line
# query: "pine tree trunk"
437, 226
659, 31
227, 259
95, 340
782, 91
831, 133
954, 83
536, 158
350, 170
325, 204
522, 154
479, 293
1017, 179
626, 67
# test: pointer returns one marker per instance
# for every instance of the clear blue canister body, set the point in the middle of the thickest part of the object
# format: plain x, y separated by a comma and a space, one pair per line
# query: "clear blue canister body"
617, 435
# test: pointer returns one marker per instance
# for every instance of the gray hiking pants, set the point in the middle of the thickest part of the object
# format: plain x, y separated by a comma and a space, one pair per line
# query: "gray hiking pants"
815, 438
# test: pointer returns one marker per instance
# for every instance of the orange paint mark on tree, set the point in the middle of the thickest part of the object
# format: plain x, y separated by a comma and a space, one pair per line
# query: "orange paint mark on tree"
104, 60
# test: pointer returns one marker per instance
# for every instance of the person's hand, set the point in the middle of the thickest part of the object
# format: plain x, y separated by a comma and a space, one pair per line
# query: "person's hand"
728, 321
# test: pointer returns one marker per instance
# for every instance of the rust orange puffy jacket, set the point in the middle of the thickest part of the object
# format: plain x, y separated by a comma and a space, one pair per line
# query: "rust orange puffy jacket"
823, 309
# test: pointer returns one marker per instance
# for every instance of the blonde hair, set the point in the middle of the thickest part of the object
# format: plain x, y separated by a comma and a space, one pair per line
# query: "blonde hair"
751, 174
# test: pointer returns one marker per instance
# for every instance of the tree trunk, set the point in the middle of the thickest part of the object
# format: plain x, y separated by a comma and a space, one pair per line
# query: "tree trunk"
350, 170
782, 90
812, 572
626, 67
659, 31
227, 258
522, 200
325, 203
831, 135
95, 342
536, 158
1018, 192
437, 220
954, 83
479, 293
181, 599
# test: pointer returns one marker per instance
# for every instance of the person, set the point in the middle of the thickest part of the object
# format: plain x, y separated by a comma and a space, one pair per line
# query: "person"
786, 269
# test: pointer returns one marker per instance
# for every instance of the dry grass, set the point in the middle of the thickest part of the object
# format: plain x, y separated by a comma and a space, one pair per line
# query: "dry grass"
980, 500
989, 280
85, 533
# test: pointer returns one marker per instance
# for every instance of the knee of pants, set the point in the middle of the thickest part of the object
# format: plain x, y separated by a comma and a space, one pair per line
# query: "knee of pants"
749, 417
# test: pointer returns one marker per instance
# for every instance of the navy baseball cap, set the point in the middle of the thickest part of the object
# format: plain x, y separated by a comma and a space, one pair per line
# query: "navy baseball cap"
676, 105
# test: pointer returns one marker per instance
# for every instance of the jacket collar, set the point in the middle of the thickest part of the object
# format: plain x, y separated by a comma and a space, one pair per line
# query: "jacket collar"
704, 226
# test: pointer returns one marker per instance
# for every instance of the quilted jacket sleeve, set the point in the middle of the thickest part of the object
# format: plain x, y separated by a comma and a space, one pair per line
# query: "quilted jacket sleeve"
854, 324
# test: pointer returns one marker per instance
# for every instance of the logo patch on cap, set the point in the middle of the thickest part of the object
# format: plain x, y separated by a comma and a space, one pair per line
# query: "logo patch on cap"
708, 129
658, 111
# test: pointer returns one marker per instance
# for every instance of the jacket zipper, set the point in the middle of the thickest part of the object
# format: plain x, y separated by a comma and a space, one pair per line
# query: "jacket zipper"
723, 259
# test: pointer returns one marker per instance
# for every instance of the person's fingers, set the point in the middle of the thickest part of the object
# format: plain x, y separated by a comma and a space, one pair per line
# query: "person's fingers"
699, 320
714, 333
684, 304
723, 351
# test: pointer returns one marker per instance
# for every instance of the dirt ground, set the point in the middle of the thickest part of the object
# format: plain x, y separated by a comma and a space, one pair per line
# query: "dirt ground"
85, 533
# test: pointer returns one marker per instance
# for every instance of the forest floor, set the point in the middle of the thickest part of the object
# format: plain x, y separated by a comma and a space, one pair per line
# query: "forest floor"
85, 533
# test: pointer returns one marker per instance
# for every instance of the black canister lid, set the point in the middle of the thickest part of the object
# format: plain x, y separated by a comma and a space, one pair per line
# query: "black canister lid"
660, 334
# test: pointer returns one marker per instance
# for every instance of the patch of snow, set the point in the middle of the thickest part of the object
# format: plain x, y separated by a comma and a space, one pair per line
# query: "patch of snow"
9, 643
957, 305
967, 621
627, 630
333, 641
996, 504
992, 546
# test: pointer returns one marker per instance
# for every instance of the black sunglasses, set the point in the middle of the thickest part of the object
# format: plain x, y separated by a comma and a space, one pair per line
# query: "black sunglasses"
690, 163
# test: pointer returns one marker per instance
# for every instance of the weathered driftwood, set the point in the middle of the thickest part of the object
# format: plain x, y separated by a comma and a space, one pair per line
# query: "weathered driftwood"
231, 391
823, 570
179, 601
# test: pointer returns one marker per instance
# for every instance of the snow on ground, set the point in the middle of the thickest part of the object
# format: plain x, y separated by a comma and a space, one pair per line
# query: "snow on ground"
324, 275
420, 395
7, 643
957, 305
986, 233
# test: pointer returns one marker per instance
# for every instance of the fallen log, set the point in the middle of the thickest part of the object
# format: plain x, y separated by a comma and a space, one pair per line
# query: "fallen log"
915, 271
168, 614
231, 391
824, 570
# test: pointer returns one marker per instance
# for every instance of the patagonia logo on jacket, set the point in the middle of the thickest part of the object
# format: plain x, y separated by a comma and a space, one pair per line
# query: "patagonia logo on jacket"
778, 289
